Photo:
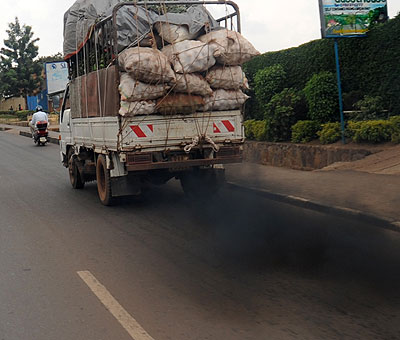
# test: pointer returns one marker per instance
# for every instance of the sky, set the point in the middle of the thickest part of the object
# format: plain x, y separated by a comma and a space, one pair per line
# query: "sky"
270, 25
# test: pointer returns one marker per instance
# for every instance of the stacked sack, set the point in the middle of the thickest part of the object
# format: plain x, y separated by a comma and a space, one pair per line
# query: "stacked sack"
186, 75
147, 77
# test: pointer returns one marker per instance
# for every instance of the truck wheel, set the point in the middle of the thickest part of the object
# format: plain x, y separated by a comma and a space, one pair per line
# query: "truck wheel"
202, 184
103, 181
74, 174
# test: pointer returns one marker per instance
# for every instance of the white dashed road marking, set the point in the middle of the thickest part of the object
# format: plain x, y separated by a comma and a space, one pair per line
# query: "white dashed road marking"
112, 305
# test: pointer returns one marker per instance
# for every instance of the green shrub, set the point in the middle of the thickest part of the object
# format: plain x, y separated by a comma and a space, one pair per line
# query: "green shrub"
268, 82
374, 131
370, 107
21, 115
255, 129
305, 131
280, 115
322, 97
330, 133
395, 122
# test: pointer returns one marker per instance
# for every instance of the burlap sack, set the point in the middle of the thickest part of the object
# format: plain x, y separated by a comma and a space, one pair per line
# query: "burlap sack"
231, 48
134, 90
193, 84
138, 108
147, 65
222, 100
190, 56
179, 103
228, 78
174, 33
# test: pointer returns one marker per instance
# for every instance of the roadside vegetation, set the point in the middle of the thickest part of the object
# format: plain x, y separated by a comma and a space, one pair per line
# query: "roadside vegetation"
295, 97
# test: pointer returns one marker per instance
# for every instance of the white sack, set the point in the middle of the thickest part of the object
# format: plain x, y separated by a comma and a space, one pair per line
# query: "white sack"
192, 83
228, 78
222, 100
190, 56
174, 33
231, 47
138, 108
147, 65
134, 90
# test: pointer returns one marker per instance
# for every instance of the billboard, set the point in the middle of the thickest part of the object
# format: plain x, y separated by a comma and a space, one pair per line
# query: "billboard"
56, 76
341, 18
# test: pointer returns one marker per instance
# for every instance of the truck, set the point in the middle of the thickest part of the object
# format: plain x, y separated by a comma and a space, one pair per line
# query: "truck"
124, 154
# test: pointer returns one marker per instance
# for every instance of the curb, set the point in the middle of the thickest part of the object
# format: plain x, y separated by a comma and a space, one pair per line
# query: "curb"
51, 139
382, 222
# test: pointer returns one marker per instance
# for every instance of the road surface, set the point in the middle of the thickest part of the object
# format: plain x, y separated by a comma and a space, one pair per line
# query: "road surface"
161, 267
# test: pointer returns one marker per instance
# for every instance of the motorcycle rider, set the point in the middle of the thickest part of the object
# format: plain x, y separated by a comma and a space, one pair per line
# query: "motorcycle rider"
38, 116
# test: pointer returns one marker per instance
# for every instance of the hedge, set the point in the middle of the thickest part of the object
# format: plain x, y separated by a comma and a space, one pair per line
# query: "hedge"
369, 66
305, 131
255, 129
330, 133
373, 131
21, 115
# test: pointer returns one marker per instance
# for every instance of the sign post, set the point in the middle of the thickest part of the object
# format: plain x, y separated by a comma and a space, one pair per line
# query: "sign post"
349, 19
339, 81
56, 77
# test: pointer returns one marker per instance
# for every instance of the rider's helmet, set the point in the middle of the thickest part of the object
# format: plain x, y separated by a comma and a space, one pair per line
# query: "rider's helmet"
39, 108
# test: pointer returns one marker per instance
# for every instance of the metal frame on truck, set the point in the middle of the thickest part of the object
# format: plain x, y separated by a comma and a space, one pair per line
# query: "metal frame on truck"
123, 154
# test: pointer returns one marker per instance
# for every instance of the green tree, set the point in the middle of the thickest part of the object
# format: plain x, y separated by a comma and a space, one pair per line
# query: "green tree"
20, 73
322, 97
280, 115
48, 59
268, 82
162, 9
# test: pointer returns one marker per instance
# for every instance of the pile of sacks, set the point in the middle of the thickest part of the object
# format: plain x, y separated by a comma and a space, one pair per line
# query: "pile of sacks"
185, 75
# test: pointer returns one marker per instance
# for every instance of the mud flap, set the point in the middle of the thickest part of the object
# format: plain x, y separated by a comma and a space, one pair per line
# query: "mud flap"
125, 186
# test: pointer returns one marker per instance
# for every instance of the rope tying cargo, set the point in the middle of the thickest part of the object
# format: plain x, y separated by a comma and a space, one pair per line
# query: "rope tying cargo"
196, 141
214, 146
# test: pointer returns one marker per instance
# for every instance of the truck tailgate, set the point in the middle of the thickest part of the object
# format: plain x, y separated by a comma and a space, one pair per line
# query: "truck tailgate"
156, 133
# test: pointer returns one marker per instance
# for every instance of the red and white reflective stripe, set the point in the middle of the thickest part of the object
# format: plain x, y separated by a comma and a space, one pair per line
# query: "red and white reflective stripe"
224, 126
143, 130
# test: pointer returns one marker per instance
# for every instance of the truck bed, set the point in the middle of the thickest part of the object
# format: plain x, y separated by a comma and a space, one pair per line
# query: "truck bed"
157, 133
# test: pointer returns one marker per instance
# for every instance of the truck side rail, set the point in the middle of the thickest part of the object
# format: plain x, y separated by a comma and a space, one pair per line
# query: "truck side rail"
81, 65
226, 18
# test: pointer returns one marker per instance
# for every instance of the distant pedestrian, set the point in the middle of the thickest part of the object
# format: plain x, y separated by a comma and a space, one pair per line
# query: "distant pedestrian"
19, 107
11, 108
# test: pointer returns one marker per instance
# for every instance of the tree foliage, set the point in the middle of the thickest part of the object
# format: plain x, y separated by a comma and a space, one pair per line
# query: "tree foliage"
20, 73
369, 65
280, 115
322, 97
162, 8
48, 59
269, 82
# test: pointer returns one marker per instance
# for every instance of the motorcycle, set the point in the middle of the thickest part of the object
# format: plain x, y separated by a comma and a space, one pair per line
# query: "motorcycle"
41, 134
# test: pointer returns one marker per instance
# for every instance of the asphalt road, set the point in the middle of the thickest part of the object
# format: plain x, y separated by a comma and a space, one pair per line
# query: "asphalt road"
238, 267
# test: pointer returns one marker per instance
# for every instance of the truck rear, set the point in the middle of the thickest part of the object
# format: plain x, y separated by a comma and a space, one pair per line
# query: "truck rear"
153, 95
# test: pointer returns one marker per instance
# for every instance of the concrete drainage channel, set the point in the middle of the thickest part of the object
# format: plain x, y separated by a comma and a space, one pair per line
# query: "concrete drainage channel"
51, 139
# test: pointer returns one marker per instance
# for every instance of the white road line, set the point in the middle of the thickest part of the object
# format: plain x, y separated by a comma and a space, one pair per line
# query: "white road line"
123, 317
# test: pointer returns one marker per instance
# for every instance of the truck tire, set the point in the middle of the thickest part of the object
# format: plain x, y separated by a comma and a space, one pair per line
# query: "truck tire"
201, 184
74, 174
103, 181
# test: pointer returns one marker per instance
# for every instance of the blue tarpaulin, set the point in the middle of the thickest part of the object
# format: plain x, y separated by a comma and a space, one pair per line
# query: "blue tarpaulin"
40, 99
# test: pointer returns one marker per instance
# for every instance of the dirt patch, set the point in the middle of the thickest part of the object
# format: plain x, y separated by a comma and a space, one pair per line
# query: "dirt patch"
386, 162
